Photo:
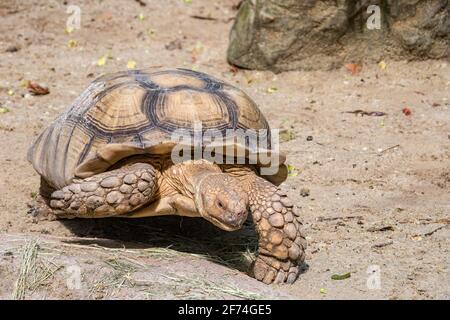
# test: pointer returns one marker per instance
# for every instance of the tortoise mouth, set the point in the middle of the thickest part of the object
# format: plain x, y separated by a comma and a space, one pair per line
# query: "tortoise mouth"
225, 225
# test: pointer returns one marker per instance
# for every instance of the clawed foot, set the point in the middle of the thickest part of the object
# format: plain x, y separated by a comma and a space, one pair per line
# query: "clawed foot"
271, 270
281, 241
40, 210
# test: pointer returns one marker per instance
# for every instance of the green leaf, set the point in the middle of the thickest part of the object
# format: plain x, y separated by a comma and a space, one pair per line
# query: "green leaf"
4, 110
292, 171
287, 135
341, 276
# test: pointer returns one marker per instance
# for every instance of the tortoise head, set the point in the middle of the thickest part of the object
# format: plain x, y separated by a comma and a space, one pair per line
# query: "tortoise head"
221, 200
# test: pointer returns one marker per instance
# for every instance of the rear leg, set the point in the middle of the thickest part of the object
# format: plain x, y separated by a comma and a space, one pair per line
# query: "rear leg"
108, 194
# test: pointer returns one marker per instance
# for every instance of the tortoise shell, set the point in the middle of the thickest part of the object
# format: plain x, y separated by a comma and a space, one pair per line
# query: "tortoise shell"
136, 112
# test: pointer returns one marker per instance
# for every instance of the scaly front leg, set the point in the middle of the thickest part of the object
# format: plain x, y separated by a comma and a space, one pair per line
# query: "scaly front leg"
281, 242
108, 194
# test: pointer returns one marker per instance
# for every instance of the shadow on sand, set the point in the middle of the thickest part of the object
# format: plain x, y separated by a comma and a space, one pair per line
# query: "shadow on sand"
235, 249
189, 235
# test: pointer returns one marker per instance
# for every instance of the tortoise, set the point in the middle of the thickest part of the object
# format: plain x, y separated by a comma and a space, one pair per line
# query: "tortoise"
110, 154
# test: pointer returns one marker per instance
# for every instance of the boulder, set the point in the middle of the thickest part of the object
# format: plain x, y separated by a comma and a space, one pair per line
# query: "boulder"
281, 35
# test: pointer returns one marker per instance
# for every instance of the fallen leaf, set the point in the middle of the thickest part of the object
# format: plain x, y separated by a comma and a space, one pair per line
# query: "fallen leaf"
198, 49
102, 60
4, 110
272, 90
37, 89
131, 64
151, 32
10, 92
234, 69
341, 276
69, 30
407, 111
24, 83
72, 43
292, 171
382, 65
141, 17
286, 135
323, 290
187, 1
353, 68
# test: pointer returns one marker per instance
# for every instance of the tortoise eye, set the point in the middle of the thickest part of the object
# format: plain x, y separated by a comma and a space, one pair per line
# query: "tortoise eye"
220, 205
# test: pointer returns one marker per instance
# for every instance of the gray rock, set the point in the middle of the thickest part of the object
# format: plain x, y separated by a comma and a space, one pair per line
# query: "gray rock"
322, 34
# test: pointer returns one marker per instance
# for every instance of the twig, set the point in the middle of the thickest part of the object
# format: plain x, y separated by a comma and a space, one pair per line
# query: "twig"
237, 6
367, 113
383, 244
141, 3
195, 16
426, 221
385, 228
387, 149
433, 231
320, 219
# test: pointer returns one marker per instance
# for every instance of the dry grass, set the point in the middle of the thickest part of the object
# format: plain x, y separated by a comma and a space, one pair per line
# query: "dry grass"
188, 288
182, 287
201, 288
33, 272
27, 267
121, 265
121, 276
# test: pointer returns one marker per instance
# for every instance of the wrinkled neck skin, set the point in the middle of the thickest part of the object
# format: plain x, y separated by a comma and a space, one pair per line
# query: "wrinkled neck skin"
193, 178
186, 177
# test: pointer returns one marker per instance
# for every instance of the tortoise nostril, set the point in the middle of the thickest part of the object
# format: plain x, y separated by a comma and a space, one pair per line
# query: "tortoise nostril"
243, 213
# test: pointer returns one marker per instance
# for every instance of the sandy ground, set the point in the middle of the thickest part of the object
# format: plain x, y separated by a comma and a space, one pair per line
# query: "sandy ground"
374, 191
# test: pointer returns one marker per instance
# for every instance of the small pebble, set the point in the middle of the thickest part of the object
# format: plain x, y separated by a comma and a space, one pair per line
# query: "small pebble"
304, 192
12, 48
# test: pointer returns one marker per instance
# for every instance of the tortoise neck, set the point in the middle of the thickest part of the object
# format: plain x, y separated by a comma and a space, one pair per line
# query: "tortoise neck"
187, 176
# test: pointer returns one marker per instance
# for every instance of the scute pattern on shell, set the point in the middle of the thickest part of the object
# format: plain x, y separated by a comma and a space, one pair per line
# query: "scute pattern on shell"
133, 111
